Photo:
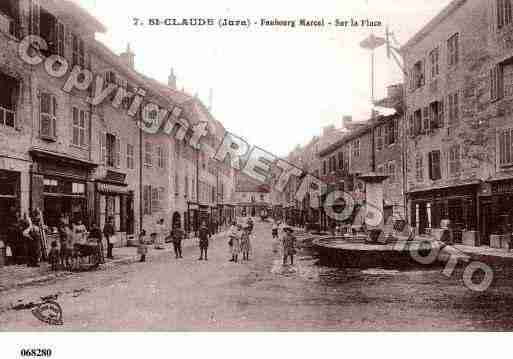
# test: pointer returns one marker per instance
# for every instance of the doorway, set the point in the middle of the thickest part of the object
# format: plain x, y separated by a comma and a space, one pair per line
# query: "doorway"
486, 220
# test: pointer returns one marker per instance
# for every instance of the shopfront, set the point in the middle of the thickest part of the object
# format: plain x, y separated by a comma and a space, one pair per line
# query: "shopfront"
496, 209
457, 204
115, 201
9, 200
61, 186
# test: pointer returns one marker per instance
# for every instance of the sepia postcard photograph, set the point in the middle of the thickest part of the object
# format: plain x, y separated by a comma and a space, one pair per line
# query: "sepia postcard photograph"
254, 167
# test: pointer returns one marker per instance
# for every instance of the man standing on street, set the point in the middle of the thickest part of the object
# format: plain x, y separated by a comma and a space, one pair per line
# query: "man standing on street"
108, 232
204, 235
177, 236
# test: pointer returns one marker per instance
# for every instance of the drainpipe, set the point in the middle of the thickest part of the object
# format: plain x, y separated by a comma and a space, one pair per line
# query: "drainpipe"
373, 150
140, 181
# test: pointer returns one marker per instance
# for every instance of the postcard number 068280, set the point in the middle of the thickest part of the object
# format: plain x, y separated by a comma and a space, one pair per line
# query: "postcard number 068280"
36, 352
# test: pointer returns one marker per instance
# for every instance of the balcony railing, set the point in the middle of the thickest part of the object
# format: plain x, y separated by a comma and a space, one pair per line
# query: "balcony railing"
7, 117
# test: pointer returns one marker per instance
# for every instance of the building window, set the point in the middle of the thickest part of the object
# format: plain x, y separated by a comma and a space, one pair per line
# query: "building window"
324, 168
112, 150
148, 154
341, 160
417, 122
419, 168
147, 199
425, 120
417, 74
497, 82
48, 116
434, 61
391, 132
453, 50
110, 77
453, 109
379, 138
435, 172
186, 188
79, 128
160, 157
77, 188
380, 169
78, 51
8, 100
505, 147
436, 110
130, 163
53, 32
391, 171
34, 12
356, 148
503, 13
454, 160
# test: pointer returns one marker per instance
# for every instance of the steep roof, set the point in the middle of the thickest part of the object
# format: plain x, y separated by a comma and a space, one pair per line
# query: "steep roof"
76, 11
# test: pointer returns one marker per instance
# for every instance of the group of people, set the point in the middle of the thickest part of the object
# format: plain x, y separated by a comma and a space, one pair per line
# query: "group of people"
24, 239
240, 240
74, 234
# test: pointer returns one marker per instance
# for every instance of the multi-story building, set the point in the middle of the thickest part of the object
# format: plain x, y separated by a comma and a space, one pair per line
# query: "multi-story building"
374, 147
250, 197
62, 154
459, 105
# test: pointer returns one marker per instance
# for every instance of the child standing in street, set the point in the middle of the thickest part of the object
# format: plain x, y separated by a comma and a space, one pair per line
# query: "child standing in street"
143, 246
289, 245
245, 243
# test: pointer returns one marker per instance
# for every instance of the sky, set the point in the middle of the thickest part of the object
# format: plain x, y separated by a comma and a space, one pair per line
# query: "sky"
275, 87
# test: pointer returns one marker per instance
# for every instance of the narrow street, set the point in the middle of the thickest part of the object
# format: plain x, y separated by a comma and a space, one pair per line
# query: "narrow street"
187, 294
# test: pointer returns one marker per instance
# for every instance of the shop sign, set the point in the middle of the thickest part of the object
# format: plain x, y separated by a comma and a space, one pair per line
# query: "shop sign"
503, 187
108, 188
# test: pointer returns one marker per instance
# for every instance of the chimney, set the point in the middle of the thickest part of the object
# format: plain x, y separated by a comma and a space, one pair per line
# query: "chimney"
210, 99
128, 57
171, 79
395, 91
346, 120
328, 129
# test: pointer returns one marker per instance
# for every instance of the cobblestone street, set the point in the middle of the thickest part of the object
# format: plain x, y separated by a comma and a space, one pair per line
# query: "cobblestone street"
187, 294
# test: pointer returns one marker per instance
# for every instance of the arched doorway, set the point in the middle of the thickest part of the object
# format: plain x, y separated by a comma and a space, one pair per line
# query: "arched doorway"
177, 220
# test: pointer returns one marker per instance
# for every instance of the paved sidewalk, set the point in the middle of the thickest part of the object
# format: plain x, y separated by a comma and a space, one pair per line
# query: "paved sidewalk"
487, 254
20, 275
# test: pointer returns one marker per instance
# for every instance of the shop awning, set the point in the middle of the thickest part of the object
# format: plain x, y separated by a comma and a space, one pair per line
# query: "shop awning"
472, 183
62, 157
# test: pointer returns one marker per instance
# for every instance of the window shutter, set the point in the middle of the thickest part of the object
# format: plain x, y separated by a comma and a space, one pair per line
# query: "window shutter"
441, 113
34, 17
423, 73
103, 148
500, 13
118, 152
45, 111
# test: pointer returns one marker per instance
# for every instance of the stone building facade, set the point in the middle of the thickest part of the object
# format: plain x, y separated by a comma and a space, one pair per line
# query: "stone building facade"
376, 147
459, 102
63, 155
